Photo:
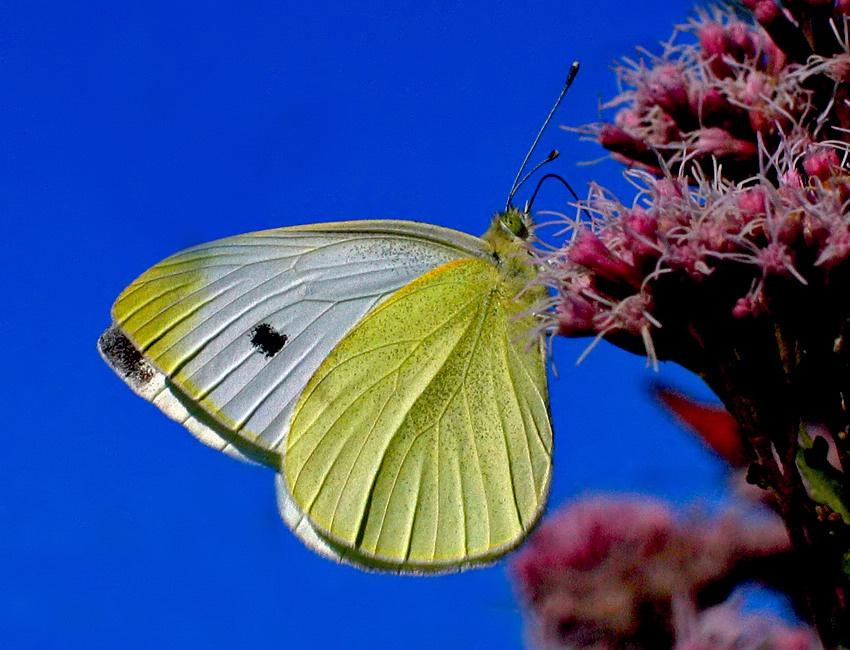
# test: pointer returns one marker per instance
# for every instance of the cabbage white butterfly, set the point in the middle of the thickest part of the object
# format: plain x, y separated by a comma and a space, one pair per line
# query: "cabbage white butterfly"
382, 368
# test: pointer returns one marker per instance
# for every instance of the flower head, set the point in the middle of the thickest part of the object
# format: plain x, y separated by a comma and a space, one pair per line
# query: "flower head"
604, 572
728, 627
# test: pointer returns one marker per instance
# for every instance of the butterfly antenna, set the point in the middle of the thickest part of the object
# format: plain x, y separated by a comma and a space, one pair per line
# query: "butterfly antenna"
552, 156
566, 184
540, 183
517, 182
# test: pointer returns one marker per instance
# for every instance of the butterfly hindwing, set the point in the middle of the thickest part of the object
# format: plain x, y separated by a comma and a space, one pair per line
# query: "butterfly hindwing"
223, 337
423, 441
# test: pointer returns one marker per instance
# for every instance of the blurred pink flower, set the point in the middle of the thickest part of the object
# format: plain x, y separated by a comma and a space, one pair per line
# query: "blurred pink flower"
604, 572
726, 627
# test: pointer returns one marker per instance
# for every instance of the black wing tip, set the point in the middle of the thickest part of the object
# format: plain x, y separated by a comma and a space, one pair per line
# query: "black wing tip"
123, 357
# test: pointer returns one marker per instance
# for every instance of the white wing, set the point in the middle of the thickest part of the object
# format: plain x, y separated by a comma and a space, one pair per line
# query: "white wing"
223, 337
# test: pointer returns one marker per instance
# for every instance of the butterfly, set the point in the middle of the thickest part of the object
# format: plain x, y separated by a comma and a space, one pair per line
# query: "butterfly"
382, 368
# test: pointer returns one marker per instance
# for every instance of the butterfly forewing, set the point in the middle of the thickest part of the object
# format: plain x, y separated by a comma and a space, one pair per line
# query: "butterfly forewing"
423, 441
227, 334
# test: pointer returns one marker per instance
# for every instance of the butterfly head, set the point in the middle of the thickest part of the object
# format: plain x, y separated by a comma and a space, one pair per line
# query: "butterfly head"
511, 228
509, 236
515, 222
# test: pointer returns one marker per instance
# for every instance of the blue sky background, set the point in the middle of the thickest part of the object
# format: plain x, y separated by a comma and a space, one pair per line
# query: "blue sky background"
129, 131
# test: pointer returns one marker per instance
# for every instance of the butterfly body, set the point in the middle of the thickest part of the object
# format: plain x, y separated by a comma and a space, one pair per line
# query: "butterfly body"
382, 368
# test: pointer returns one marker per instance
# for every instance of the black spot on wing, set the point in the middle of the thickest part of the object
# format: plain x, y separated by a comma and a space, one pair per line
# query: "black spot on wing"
124, 358
267, 340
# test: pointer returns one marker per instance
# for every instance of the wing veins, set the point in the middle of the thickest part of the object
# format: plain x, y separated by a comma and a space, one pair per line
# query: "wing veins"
380, 379
437, 469
537, 390
296, 285
478, 465
239, 425
192, 256
436, 428
514, 393
202, 395
459, 312
220, 330
527, 447
193, 272
234, 265
418, 434
210, 408
290, 341
138, 308
463, 503
324, 435
513, 477
413, 441
486, 308
540, 396
203, 253
412, 526
359, 452
279, 439
398, 366
179, 320
256, 407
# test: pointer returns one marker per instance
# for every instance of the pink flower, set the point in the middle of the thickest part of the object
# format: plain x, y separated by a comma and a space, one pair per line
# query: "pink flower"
726, 627
822, 164
604, 572
588, 251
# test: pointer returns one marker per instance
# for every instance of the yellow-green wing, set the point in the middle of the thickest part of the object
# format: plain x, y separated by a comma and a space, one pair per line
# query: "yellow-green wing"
224, 336
423, 442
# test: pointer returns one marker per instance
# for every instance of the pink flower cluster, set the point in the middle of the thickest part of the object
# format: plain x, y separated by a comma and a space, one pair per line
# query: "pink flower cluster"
606, 572
733, 88
736, 145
